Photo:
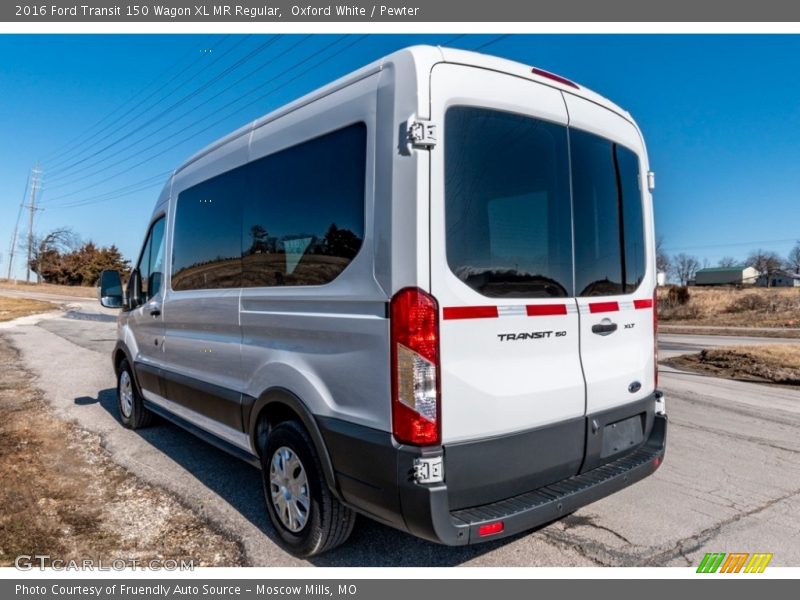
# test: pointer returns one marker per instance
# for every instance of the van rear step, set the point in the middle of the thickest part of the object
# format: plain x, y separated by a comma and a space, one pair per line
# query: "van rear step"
554, 501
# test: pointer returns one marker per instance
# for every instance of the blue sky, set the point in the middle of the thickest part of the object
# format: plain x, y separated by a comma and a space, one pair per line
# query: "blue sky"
720, 114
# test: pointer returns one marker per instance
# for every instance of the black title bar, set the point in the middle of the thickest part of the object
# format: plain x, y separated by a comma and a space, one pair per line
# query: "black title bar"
197, 11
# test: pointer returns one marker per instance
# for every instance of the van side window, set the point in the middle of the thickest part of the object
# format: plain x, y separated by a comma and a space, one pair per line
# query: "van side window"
206, 246
609, 229
507, 203
303, 218
295, 217
151, 262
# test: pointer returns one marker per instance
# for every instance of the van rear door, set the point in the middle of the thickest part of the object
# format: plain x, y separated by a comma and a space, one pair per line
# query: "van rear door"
614, 277
501, 270
614, 269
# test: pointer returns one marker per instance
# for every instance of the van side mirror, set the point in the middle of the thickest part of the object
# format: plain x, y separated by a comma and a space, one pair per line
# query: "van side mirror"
110, 290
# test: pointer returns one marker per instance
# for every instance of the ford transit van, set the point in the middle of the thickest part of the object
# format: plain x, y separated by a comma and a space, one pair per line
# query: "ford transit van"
424, 293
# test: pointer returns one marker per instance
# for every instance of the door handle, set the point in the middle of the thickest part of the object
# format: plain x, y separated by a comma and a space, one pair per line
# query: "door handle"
155, 312
604, 328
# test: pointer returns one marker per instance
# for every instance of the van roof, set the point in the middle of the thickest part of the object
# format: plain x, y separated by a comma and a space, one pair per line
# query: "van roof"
424, 57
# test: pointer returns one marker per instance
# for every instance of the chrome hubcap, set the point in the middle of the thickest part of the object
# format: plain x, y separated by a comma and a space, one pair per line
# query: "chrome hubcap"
288, 486
125, 394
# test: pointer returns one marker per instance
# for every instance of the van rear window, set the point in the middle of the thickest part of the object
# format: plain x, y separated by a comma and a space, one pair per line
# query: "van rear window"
609, 229
510, 193
507, 206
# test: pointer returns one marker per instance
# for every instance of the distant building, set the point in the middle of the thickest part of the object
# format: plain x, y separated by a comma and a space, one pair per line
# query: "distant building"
780, 279
737, 275
661, 278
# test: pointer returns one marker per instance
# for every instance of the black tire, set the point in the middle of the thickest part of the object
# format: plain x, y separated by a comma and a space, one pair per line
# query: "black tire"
132, 412
328, 523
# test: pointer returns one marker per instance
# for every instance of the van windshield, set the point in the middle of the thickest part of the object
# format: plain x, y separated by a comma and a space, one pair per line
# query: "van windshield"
509, 201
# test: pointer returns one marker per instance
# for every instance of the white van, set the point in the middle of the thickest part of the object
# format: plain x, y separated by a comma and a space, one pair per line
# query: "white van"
423, 293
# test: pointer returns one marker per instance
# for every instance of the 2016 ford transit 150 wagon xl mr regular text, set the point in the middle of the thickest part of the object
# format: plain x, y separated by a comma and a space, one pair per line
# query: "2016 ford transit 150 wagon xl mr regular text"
423, 293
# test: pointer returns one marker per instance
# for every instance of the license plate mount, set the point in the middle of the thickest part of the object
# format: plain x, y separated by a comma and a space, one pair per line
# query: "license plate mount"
622, 435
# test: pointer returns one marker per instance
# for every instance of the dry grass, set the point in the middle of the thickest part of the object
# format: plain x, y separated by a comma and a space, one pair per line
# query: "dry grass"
775, 363
13, 308
62, 495
76, 291
747, 307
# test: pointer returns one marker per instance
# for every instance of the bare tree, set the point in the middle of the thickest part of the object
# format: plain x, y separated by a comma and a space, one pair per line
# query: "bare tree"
684, 267
45, 247
766, 263
662, 258
793, 260
727, 261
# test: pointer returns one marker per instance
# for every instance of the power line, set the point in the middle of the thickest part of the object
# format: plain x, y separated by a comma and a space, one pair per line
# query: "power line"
452, 39
12, 249
69, 148
227, 116
157, 102
491, 42
161, 130
109, 195
139, 186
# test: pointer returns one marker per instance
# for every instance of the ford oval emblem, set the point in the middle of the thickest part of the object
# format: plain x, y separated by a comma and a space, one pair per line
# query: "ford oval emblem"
634, 387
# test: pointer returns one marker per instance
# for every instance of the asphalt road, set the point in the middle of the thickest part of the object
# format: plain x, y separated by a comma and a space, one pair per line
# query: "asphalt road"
730, 481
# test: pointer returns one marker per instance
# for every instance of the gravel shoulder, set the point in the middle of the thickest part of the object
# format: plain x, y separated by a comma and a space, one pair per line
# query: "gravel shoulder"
61, 493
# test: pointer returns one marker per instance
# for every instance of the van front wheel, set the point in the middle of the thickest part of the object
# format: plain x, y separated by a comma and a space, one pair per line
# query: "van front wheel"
132, 412
304, 513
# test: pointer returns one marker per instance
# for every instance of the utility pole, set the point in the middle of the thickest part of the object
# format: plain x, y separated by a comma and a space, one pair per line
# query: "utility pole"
11, 252
13, 249
33, 209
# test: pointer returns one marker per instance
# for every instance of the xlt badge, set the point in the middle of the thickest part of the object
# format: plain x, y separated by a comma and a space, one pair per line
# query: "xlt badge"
529, 335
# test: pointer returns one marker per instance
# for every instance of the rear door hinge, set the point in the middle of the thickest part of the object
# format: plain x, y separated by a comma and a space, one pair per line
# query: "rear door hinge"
429, 470
422, 134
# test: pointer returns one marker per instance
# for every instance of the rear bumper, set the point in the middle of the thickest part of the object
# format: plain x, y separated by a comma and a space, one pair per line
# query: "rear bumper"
375, 476
532, 509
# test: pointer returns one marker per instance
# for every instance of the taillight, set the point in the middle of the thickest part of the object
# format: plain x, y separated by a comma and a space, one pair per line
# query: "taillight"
655, 336
416, 409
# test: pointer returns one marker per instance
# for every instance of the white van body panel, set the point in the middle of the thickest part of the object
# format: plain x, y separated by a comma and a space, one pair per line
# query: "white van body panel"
491, 387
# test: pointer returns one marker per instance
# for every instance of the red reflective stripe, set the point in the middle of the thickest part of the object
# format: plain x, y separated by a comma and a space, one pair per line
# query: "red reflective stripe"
644, 303
541, 310
598, 307
470, 312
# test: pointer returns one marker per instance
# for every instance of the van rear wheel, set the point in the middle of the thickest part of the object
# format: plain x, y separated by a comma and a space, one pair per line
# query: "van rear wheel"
132, 411
303, 511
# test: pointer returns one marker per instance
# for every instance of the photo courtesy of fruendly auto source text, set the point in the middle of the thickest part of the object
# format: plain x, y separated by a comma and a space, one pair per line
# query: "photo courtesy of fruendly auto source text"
374, 301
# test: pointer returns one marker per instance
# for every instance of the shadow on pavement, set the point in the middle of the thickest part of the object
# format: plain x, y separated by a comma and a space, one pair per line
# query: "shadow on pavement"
371, 544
